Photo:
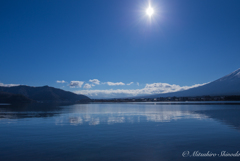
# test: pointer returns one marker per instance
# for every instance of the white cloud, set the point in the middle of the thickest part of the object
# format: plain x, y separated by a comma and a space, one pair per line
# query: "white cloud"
130, 83
76, 84
155, 88
95, 81
137, 83
62, 81
87, 86
115, 84
8, 85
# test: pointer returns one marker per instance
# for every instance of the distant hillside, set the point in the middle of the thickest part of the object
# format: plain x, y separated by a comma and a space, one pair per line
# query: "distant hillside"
45, 94
225, 86
13, 98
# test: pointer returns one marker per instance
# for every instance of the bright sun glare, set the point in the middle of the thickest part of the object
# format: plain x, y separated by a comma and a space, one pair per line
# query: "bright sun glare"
149, 11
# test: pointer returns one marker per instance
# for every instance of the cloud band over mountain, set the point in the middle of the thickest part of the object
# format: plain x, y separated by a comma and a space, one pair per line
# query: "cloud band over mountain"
155, 88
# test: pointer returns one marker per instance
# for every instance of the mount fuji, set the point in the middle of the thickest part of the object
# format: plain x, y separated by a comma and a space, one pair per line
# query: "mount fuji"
227, 85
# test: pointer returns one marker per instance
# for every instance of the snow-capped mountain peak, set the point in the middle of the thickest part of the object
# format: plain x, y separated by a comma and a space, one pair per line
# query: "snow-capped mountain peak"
232, 76
227, 85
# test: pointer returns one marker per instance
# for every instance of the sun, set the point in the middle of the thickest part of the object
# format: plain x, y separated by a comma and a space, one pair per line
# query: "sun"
149, 11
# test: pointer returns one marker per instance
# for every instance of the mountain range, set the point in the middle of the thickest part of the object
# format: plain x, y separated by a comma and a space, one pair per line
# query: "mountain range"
225, 86
41, 94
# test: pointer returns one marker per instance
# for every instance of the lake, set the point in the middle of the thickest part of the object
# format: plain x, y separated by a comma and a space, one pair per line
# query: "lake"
120, 131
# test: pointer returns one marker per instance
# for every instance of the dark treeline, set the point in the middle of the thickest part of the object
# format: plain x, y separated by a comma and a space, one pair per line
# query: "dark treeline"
163, 99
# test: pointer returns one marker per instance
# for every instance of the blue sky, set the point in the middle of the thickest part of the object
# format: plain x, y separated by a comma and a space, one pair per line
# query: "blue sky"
185, 43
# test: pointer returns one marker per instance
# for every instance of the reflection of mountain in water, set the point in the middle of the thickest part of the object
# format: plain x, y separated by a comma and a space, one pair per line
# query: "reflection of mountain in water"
94, 114
29, 110
227, 116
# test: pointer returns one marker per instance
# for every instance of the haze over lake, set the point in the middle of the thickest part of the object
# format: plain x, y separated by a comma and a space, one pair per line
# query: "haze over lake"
118, 131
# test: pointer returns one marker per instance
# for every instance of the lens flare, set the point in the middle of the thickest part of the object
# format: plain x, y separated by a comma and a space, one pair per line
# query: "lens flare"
149, 11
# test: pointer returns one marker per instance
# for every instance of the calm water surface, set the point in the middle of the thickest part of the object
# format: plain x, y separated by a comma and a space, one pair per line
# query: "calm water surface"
118, 131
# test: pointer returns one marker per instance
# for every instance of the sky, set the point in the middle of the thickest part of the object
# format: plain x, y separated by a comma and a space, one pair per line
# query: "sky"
111, 48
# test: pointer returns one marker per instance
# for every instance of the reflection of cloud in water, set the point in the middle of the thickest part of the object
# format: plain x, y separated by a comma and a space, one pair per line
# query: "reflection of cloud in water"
94, 121
75, 120
106, 114
95, 114
112, 120
78, 120
171, 115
